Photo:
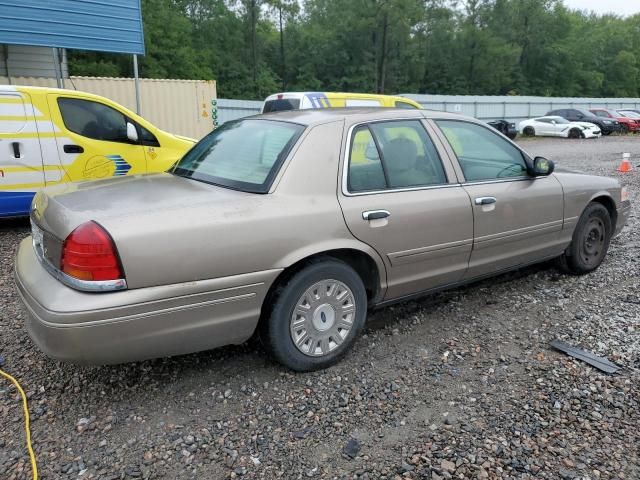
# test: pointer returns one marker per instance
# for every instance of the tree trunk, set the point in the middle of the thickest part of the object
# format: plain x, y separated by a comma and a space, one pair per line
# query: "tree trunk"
254, 53
382, 63
282, 56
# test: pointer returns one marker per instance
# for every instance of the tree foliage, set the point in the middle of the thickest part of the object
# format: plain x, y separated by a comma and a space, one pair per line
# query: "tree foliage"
485, 47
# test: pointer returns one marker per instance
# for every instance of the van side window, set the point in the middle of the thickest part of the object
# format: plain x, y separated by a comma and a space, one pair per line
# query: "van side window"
146, 137
93, 120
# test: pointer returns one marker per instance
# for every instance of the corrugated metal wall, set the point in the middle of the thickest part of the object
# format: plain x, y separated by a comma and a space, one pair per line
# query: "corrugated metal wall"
23, 61
486, 108
233, 109
102, 25
177, 106
514, 108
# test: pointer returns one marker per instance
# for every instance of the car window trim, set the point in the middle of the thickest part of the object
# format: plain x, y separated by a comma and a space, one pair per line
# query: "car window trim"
526, 157
347, 160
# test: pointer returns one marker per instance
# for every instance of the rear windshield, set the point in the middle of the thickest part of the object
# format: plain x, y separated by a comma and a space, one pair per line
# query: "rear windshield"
281, 105
243, 155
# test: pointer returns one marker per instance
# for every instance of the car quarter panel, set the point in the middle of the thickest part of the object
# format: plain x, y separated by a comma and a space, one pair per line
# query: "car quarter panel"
580, 190
139, 323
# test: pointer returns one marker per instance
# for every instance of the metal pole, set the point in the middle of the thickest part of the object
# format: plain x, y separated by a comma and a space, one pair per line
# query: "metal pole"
137, 83
56, 66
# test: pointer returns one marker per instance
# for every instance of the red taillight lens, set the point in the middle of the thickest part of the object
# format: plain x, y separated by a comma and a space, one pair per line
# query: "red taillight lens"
89, 254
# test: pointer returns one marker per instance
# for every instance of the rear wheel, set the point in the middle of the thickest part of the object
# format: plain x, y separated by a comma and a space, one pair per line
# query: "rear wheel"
590, 241
316, 316
529, 132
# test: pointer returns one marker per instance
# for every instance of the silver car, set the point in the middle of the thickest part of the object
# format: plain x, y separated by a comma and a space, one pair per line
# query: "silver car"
293, 225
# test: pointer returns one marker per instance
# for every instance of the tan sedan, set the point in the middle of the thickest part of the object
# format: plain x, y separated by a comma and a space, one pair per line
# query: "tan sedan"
294, 225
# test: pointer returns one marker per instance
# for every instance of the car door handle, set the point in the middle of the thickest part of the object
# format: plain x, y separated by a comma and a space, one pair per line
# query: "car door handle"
485, 200
16, 150
73, 149
375, 214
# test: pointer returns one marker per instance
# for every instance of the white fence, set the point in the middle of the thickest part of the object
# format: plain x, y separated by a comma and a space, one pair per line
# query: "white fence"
482, 107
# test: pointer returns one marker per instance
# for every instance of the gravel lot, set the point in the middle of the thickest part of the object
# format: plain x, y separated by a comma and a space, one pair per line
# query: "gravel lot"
462, 384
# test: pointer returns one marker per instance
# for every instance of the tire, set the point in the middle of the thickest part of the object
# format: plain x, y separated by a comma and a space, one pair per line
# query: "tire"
327, 343
624, 129
606, 133
529, 132
589, 243
575, 133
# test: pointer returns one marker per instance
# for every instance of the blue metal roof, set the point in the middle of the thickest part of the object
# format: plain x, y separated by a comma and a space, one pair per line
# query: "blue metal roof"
102, 25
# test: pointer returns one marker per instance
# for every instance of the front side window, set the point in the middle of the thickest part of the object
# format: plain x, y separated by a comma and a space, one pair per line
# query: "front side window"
601, 113
392, 155
482, 154
281, 105
243, 155
93, 120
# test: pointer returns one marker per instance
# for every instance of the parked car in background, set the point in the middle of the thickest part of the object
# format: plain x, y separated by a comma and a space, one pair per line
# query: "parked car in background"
505, 127
635, 115
279, 102
607, 125
50, 136
558, 127
268, 225
627, 124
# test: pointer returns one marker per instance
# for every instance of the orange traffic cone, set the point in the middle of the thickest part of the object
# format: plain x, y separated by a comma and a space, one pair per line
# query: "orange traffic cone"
625, 166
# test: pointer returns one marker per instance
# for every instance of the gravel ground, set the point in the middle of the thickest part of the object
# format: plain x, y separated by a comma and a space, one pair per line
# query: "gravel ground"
462, 384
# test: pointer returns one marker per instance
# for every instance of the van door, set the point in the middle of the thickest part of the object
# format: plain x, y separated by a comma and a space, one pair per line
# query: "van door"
92, 140
21, 169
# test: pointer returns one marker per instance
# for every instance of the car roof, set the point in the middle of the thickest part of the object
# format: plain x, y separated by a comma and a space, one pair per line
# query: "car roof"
325, 115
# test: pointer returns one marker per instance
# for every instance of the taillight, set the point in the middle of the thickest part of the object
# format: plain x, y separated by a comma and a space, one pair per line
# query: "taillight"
89, 254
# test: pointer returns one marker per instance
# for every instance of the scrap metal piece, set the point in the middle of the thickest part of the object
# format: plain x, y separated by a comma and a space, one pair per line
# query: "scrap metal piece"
588, 357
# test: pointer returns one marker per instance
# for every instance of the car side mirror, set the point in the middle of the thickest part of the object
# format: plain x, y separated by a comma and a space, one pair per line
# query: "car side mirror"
553, 121
542, 167
132, 133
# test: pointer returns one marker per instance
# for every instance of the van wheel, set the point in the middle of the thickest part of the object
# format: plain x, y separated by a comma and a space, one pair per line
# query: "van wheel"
316, 316
590, 241
529, 132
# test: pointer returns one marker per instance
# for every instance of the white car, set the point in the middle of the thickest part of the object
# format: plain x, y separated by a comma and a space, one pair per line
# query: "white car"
558, 127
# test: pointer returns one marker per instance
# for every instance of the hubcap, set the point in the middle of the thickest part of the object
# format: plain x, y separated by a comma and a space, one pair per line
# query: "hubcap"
323, 318
594, 240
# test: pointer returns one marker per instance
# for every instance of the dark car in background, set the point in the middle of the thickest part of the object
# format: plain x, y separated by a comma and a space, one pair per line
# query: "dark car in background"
505, 127
607, 125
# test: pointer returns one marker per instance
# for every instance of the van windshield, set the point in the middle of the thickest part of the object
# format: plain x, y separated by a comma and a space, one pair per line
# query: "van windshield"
244, 155
281, 104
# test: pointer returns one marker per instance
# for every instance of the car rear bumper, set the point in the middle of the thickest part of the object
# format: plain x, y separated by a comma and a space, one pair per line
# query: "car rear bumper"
132, 325
623, 216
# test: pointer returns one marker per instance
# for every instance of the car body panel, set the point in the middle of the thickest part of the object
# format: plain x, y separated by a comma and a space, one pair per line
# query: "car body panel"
607, 125
200, 263
53, 154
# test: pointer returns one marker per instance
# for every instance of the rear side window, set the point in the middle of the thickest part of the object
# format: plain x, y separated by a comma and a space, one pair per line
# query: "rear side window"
392, 155
93, 120
281, 105
482, 153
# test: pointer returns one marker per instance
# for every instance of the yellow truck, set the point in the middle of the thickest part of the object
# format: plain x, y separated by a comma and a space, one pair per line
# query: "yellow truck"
50, 136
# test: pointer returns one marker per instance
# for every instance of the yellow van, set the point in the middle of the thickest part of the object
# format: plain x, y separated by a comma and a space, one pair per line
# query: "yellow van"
306, 100
50, 136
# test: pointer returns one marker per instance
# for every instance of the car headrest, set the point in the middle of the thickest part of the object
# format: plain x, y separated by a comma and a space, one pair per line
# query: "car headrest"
400, 154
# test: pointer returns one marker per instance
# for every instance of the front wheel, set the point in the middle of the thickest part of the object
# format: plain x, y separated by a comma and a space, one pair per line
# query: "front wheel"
529, 132
624, 129
316, 316
590, 241
575, 133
